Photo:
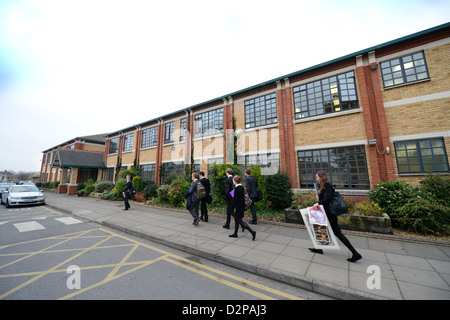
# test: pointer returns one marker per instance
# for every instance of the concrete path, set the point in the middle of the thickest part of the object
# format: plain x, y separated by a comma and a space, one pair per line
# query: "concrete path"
390, 269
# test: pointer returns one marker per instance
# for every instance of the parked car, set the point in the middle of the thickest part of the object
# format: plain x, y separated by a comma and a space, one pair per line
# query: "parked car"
17, 195
4, 186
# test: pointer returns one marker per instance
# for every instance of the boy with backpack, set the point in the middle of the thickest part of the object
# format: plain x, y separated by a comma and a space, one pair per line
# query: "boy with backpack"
195, 193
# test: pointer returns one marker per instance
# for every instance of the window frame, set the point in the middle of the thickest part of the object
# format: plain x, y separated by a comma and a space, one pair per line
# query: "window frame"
309, 99
149, 137
113, 145
208, 123
402, 72
128, 140
340, 176
421, 155
261, 111
169, 128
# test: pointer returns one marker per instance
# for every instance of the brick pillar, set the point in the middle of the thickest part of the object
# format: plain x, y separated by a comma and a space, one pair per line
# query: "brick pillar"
286, 130
381, 162
228, 140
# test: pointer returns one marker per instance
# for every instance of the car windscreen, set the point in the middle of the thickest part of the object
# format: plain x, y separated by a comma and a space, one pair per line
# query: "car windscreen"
24, 189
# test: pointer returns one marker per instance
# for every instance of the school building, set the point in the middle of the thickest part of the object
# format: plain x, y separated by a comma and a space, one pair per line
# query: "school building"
377, 114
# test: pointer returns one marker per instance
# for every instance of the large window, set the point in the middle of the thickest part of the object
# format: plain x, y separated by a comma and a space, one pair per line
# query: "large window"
407, 69
208, 123
128, 142
168, 132
421, 156
325, 96
113, 145
345, 167
149, 137
148, 171
261, 111
269, 162
171, 170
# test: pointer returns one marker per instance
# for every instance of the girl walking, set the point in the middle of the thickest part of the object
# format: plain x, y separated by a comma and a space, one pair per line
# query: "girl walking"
325, 194
239, 205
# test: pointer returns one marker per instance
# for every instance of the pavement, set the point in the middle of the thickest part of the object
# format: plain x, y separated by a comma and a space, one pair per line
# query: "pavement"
390, 269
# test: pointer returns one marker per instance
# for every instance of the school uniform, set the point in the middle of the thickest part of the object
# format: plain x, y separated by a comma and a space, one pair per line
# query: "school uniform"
229, 186
239, 205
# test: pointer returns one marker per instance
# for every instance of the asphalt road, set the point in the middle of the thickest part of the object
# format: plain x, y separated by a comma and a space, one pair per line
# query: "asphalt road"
49, 255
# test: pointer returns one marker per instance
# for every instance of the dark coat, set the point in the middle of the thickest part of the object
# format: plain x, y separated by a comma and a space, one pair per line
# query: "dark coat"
251, 185
326, 195
205, 182
239, 201
128, 187
229, 185
191, 198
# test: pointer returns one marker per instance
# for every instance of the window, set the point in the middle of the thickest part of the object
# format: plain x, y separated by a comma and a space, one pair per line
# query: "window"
149, 137
148, 171
209, 123
109, 174
183, 129
128, 142
261, 111
168, 132
421, 156
407, 69
345, 167
269, 162
113, 145
333, 94
172, 170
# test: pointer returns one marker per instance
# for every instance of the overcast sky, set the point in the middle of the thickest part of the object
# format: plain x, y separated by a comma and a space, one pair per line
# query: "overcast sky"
75, 68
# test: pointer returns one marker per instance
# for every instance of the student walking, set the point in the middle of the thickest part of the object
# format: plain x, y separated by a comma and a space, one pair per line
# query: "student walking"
251, 185
239, 205
192, 202
203, 202
127, 192
229, 186
325, 194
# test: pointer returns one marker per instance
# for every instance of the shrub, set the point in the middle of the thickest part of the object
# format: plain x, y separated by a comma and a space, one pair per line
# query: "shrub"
392, 195
149, 189
118, 189
103, 186
427, 216
139, 197
163, 193
278, 190
367, 208
176, 192
437, 186
302, 201
137, 182
218, 176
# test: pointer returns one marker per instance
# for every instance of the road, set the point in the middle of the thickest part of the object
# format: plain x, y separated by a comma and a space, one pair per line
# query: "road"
46, 254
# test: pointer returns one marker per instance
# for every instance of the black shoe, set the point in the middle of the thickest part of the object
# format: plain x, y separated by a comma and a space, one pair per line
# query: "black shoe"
125, 209
355, 258
233, 235
320, 251
253, 222
226, 226
253, 235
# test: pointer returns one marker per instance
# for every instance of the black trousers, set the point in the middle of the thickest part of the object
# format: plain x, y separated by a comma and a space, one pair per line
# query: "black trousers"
229, 212
338, 233
204, 209
125, 199
239, 222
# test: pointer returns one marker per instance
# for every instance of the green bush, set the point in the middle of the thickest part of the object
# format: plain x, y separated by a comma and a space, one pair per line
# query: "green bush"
103, 186
437, 186
302, 201
366, 208
278, 190
137, 182
163, 194
176, 192
392, 195
149, 189
218, 175
118, 189
424, 215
